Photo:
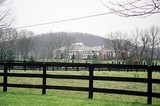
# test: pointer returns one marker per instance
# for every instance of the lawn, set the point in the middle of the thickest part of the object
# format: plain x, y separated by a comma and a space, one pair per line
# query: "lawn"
24, 96
19, 99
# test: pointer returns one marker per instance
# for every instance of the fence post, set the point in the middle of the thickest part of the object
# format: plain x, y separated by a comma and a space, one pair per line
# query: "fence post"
149, 88
24, 65
9, 66
5, 78
44, 79
66, 68
53, 68
77, 68
90, 96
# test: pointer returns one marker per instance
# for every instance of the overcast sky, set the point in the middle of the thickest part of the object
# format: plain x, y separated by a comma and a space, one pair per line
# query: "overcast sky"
31, 12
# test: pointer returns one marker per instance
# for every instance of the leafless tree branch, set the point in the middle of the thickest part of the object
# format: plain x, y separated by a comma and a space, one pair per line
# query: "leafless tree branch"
127, 8
6, 14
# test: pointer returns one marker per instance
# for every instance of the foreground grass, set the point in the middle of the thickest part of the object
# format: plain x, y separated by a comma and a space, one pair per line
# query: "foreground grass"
19, 96
11, 99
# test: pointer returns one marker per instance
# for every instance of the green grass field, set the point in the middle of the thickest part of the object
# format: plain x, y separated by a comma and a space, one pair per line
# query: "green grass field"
10, 99
25, 96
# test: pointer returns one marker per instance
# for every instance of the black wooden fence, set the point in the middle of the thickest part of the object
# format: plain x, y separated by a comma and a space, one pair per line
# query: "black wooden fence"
91, 77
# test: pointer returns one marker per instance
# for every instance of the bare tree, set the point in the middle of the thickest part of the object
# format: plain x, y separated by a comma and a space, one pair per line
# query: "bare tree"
25, 43
7, 41
140, 44
128, 8
58, 40
6, 14
124, 50
51, 42
155, 40
7, 34
119, 44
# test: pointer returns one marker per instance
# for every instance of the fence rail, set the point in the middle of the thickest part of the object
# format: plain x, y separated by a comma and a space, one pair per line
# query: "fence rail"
91, 77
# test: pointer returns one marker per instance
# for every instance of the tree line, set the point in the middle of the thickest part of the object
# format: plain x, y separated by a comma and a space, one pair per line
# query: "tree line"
26, 45
138, 46
133, 48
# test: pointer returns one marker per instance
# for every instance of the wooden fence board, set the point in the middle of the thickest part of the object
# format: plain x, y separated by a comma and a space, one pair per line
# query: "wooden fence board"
125, 79
24, 86
156, 81
25, 75
67, 88
1, 74
116, 91
156, 95
68, 77
120, 66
